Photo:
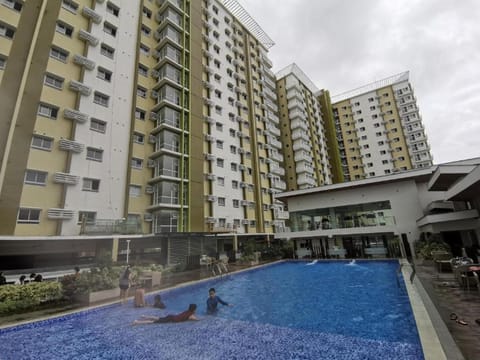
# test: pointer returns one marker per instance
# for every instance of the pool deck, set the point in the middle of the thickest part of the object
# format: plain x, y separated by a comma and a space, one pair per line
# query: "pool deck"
434, 296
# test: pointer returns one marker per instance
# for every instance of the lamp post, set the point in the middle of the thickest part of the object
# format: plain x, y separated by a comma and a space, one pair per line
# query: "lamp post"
128, 248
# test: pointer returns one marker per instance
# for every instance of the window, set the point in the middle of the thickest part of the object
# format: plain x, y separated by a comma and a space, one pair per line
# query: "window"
235, 203
46, 110
233, 149
104, 74
218, 109
63, 29
94, 154
90, 184
384, 162
221, 181
387, 171
35, 177
218, 94
58, 54
101, 99
28, 216
141, 91
139, 114
53, 81
144, 49
146, 30
112, 9
232, 132
147, 13
142, 70
234, 184
138, 138
137, 163
6, 31
3, 62
42, 142
70, 6
107, 51
98, 125
134, 190
109, 29
221, 201
383, 152
87, 217
233, 166
219, 144
219, 126
220, 163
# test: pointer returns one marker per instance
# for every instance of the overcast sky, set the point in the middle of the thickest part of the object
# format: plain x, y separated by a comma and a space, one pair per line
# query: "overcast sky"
342, 45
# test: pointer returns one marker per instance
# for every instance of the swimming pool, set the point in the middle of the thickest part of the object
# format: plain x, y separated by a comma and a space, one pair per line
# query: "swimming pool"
291, 310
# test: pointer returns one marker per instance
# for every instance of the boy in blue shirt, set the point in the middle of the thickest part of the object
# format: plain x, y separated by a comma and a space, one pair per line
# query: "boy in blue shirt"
212, 302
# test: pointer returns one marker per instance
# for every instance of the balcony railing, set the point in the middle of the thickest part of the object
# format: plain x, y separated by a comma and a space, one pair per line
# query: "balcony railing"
75, 115
103, 226
69, 145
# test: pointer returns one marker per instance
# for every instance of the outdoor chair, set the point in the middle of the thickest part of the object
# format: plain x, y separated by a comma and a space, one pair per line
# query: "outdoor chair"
442, 260
467, 275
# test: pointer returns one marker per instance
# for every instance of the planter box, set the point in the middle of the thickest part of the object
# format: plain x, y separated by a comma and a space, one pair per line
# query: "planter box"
97, 296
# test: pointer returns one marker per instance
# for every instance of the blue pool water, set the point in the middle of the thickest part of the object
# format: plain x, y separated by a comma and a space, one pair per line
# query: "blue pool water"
328, 310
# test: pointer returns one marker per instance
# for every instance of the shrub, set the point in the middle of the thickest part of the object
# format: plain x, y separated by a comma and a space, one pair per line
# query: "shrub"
18, 298
425, 246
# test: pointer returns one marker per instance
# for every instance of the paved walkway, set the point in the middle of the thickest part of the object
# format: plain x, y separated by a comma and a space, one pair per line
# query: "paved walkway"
449, 297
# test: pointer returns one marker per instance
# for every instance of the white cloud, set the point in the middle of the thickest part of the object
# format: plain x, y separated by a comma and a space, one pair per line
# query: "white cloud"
343, 44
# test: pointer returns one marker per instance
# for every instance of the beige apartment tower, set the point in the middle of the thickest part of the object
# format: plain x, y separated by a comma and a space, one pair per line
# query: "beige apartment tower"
380, 130
155, 116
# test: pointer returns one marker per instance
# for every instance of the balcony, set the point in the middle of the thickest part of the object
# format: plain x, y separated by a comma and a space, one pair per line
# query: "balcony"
86, 36
279, 184
299, 124
60, 214
75, 115
69, 145
63, 178
177, 4
83, 61
273, 130
79, 87
91, 14
281, 215
299, 134
306, 181
275, 143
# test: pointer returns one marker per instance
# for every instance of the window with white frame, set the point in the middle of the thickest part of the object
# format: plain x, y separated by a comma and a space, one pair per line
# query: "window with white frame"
70, 5
140, 114
107, 51
104, 74
59, 54
144, 50
28, 216
113, 9
141, 91
35, 177
94, 154
91, 184
235, 203
42, 142
53, 81
110, 29
101, 99
146, 30
138, 138
87, 217
135, 190
142, 70
64, 29
47, 110
98, 125
234, 184
221, 201
12, 4
220, 163
137, 163
221, 181
147, 12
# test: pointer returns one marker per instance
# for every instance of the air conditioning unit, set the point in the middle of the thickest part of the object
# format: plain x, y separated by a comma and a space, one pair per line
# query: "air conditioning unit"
147, 217
151, 163
211, 198
245, 222
149, 189
152, 139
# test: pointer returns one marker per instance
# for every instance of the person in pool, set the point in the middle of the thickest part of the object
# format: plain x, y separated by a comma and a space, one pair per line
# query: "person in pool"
183, 316
212, 302
158, 303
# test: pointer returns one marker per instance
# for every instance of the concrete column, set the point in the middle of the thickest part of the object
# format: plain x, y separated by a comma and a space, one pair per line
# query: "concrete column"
115, 249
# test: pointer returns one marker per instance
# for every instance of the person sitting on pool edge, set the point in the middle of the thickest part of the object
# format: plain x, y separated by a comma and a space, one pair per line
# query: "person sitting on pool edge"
212, 302
183, 316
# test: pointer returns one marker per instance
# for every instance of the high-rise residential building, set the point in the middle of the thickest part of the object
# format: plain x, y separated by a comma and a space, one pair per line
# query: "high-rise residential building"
379, 129
158, 116
303, 131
